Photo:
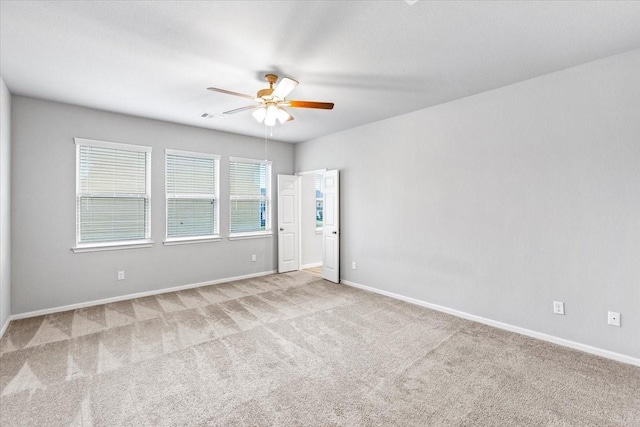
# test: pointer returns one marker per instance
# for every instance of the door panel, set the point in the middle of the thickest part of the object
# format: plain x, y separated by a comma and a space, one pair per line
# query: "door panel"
331, 227
288, 247
329, 208
288, 227
328, 253
288, 209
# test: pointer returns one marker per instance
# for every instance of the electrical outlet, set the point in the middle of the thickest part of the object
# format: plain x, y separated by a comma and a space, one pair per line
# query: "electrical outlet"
614, 319
253, 258
558, 307
354, 265
120, 275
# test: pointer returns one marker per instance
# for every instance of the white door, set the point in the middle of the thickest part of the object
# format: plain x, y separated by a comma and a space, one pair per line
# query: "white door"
331, 227
288, 217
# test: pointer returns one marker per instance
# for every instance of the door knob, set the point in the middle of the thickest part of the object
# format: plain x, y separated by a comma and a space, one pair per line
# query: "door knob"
334, 232
282, 229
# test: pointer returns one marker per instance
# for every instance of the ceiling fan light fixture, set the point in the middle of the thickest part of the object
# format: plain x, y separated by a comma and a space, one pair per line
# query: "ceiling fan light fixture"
271, 115
259, 114
283, 115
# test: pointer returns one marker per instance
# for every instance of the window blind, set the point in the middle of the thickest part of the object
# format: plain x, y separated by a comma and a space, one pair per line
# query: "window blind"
192, 194
250, 194
112, 192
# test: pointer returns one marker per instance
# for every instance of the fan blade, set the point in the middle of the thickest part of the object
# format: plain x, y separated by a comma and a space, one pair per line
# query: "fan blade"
241, 109
311, 104
284, 88
228, 92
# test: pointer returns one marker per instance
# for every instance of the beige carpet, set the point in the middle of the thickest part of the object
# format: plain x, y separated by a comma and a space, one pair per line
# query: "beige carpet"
295, 350
316, 271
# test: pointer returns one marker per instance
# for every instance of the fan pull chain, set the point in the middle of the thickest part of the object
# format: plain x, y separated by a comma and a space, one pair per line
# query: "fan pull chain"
265, 143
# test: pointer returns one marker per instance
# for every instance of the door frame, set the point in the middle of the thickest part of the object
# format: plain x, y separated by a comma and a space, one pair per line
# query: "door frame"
311, 172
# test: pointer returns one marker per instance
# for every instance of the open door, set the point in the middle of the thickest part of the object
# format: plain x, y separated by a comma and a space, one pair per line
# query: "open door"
331, 227
288, 218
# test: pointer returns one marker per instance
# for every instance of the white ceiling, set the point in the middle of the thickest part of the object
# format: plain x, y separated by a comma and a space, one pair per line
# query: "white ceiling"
373, 59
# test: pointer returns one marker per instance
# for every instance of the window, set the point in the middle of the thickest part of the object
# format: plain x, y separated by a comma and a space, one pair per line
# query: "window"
112, 195
319, 208
192, 196
250, 195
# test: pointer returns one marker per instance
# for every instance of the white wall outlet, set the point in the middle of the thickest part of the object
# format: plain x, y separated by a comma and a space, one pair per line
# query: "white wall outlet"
253, 258
354, 265
120, 275
613, 318
558, 307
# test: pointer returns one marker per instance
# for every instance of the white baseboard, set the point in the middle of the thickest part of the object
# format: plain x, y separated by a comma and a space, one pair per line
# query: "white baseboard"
133, 296
312, 265
539, 335
5, 326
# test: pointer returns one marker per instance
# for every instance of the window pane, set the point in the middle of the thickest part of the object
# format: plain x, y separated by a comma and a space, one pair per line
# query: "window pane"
109, 219
191, 217
192, 209
248, 179
190, 175
319, 208
112, 199
319, 213
250, 196
248, 215
107, 170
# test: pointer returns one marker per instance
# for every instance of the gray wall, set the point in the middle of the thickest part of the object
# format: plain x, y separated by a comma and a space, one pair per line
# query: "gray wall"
5, 203
311, 242
499, 203
46, 273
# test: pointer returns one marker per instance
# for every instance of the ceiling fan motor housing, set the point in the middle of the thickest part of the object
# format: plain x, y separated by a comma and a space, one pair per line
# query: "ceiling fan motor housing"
262, 93
271, 78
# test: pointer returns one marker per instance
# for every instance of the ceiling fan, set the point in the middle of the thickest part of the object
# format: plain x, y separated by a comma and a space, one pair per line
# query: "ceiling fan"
270, 102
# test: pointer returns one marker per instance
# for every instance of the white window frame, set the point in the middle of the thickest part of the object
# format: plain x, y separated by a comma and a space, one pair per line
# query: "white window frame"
268, 232
194, 239
114, 245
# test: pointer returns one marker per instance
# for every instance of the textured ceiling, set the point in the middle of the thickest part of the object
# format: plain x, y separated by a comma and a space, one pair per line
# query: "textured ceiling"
373, 59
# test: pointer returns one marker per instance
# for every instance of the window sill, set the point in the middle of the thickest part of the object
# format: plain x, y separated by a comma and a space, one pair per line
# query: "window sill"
243, 236
98, 247
190, 240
